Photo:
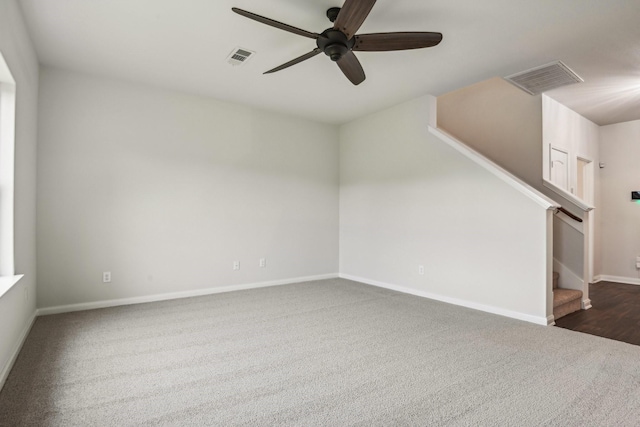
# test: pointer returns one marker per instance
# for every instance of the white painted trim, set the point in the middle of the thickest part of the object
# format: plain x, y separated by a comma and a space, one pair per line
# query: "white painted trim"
588, 177
7, 175
551, 320
548, 265
570, 197
586, 304
568, 279
617, 279
16, 350
176, 295
492, 167
587, 255
455, 301
589, 233
8, 282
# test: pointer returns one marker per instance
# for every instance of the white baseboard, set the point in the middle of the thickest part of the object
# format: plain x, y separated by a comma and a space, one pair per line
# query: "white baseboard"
568, 279
176, 295
455, 301
551, 320
586, 304
616, 279
16, 350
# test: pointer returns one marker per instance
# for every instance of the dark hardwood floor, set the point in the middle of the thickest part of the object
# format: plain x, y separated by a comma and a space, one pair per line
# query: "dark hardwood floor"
615, 313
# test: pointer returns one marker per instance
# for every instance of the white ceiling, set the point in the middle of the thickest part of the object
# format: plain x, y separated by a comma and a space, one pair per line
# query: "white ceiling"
183, 45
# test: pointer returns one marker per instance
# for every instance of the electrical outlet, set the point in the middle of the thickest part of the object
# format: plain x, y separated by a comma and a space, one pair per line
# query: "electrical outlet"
106, 277
236, 265
421, 270
263, 262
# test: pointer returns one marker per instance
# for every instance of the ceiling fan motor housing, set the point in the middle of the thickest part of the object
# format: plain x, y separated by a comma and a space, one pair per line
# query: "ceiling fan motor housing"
339, 42
332, 13
334, 43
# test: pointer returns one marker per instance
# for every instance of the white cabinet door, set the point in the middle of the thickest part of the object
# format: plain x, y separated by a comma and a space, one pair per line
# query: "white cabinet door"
559, 170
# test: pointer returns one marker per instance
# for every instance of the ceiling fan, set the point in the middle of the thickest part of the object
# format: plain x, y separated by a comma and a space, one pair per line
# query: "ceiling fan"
340, 41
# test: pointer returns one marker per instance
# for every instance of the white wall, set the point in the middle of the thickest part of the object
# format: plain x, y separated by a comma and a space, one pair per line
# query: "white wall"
568, 250
18, 305
565, 129
501, 122
166, 191
408, 199
620, 217
505, 124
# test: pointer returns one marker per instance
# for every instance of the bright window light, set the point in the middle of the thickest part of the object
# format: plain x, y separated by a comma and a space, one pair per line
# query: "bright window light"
7, 157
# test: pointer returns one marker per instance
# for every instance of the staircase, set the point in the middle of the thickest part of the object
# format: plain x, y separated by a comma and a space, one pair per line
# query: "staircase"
565, 301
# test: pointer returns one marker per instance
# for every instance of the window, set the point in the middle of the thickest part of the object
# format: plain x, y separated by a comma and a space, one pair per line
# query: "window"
7, 157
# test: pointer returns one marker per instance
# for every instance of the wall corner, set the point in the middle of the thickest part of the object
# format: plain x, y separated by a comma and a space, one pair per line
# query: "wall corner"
432, 103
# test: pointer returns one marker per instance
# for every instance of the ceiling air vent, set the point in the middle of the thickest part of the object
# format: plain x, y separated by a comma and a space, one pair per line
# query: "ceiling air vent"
239, 56
544, 78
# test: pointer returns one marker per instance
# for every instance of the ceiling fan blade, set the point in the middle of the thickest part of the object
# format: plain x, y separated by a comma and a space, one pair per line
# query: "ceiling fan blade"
275, 24
304, 57
352, 68
352, 15
379, 42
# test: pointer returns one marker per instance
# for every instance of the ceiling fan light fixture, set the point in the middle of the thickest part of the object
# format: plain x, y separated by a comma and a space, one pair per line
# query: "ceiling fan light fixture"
332, 13
336, 51
340, 41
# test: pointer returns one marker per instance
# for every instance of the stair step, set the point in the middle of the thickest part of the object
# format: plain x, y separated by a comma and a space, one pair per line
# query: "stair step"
566, 301
563, 296
556, 279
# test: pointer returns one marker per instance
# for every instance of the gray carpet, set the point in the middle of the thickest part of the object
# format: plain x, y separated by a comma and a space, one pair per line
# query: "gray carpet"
328, 353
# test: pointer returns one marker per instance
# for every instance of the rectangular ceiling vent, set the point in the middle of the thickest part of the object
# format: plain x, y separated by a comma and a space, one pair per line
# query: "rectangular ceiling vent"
544, 78
239, 56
